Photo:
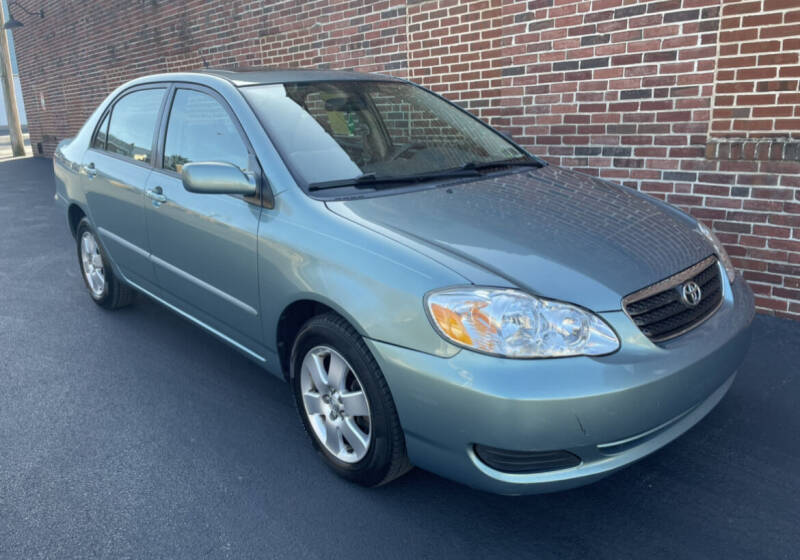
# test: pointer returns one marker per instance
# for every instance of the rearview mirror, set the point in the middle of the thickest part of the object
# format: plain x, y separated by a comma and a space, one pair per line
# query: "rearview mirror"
211, 177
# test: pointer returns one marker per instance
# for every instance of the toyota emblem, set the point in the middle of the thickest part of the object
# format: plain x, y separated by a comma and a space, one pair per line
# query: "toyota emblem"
691, 294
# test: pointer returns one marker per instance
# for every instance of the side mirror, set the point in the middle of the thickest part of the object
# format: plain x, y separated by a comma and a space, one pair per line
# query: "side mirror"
211, 177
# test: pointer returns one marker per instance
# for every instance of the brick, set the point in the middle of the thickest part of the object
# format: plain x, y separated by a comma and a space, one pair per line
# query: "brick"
513, 71
601, 62
685, 15
770, 5
636, 94
787, 124
737, 62
625, 59
777, 85
680, 176
756, 74
760, 46
790, 72
616, 151
566, 65
761, 20
594, 17
595, 39
758, 99
784, 220
773, 111
630, 11
780, 31
541, 25
777, 59
734, 227
661, 56
737, 8
738, 35
663, 6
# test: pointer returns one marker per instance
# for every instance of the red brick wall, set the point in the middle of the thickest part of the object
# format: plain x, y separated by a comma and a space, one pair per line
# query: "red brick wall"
758, 70
695, 101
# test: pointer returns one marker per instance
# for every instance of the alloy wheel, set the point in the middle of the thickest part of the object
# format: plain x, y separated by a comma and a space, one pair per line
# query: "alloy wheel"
336, 404
92, 263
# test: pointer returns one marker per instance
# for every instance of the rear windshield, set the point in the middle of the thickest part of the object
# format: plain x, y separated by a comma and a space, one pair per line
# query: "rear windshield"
328, 131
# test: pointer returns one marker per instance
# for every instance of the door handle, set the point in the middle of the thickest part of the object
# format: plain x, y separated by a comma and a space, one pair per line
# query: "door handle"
156, 195
90, 170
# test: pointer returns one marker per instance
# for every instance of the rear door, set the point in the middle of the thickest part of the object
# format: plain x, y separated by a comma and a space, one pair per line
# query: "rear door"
204, 246
115, 170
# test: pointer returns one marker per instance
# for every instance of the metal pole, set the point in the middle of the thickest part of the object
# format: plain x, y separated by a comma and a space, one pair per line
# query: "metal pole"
10, 98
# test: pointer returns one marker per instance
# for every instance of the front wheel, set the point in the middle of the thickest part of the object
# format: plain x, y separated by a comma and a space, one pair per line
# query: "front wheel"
345, 404
104, 287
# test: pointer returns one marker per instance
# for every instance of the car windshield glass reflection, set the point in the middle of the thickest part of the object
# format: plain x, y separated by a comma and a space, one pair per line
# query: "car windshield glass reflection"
333, 132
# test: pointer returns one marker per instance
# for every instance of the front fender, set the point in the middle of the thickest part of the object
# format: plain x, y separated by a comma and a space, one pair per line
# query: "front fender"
307, 252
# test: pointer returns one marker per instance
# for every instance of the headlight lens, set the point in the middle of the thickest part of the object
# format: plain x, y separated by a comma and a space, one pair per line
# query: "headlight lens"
514, 324
722, 254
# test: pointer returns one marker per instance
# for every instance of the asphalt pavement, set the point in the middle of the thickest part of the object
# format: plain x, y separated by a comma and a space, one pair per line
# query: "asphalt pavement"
134, 434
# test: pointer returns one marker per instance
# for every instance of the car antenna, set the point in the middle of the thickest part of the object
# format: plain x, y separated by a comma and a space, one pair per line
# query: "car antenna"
205, 62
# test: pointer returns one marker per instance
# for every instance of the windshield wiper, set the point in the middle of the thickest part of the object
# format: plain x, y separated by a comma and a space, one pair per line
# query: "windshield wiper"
478, 165
471, 169
370, 180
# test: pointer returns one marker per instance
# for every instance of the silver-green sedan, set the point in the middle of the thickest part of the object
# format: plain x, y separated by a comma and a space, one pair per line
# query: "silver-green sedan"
433, 294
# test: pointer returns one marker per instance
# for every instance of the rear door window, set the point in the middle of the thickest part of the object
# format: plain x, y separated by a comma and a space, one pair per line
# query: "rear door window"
133, 124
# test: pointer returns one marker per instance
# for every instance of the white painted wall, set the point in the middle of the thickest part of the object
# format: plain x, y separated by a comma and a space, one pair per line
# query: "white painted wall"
20, 105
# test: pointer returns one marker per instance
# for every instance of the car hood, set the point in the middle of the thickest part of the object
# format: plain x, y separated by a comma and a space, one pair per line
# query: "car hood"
552, 231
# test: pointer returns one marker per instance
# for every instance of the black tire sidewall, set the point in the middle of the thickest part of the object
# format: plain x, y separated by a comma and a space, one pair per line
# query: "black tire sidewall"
372, 469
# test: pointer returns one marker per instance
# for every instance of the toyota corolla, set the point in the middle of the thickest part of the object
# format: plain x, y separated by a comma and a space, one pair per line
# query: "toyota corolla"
433, 294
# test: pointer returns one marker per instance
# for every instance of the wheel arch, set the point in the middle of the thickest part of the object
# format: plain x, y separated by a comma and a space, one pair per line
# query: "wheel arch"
293, 317
74, 216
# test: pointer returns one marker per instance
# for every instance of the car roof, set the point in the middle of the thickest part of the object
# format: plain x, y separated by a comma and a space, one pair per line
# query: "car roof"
257, 76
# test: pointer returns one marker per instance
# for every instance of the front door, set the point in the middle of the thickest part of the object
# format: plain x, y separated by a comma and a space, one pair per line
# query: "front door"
204, 246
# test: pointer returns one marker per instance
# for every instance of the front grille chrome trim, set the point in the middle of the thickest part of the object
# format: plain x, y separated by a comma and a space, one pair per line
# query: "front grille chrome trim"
672, 282
668, 283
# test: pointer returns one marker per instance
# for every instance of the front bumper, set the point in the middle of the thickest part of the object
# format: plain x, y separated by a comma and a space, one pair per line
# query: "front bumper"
610, 411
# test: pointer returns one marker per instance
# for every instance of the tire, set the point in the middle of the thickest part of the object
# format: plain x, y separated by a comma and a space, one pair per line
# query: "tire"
105, 289
329, 337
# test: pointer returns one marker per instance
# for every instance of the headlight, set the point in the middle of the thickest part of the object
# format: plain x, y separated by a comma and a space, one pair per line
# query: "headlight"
514, 324
722, 254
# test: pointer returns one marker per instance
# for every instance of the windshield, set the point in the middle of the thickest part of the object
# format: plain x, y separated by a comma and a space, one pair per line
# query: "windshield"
333, 131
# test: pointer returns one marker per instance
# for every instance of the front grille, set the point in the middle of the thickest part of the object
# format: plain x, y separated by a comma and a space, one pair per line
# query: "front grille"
662, 313
518, 462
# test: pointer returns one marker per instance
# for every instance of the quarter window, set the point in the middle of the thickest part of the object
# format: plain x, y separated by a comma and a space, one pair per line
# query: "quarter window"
99, 141
133, 123
200, 129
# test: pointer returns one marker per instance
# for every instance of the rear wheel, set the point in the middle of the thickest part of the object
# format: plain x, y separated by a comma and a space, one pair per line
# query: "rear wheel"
104, 287
345, 404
